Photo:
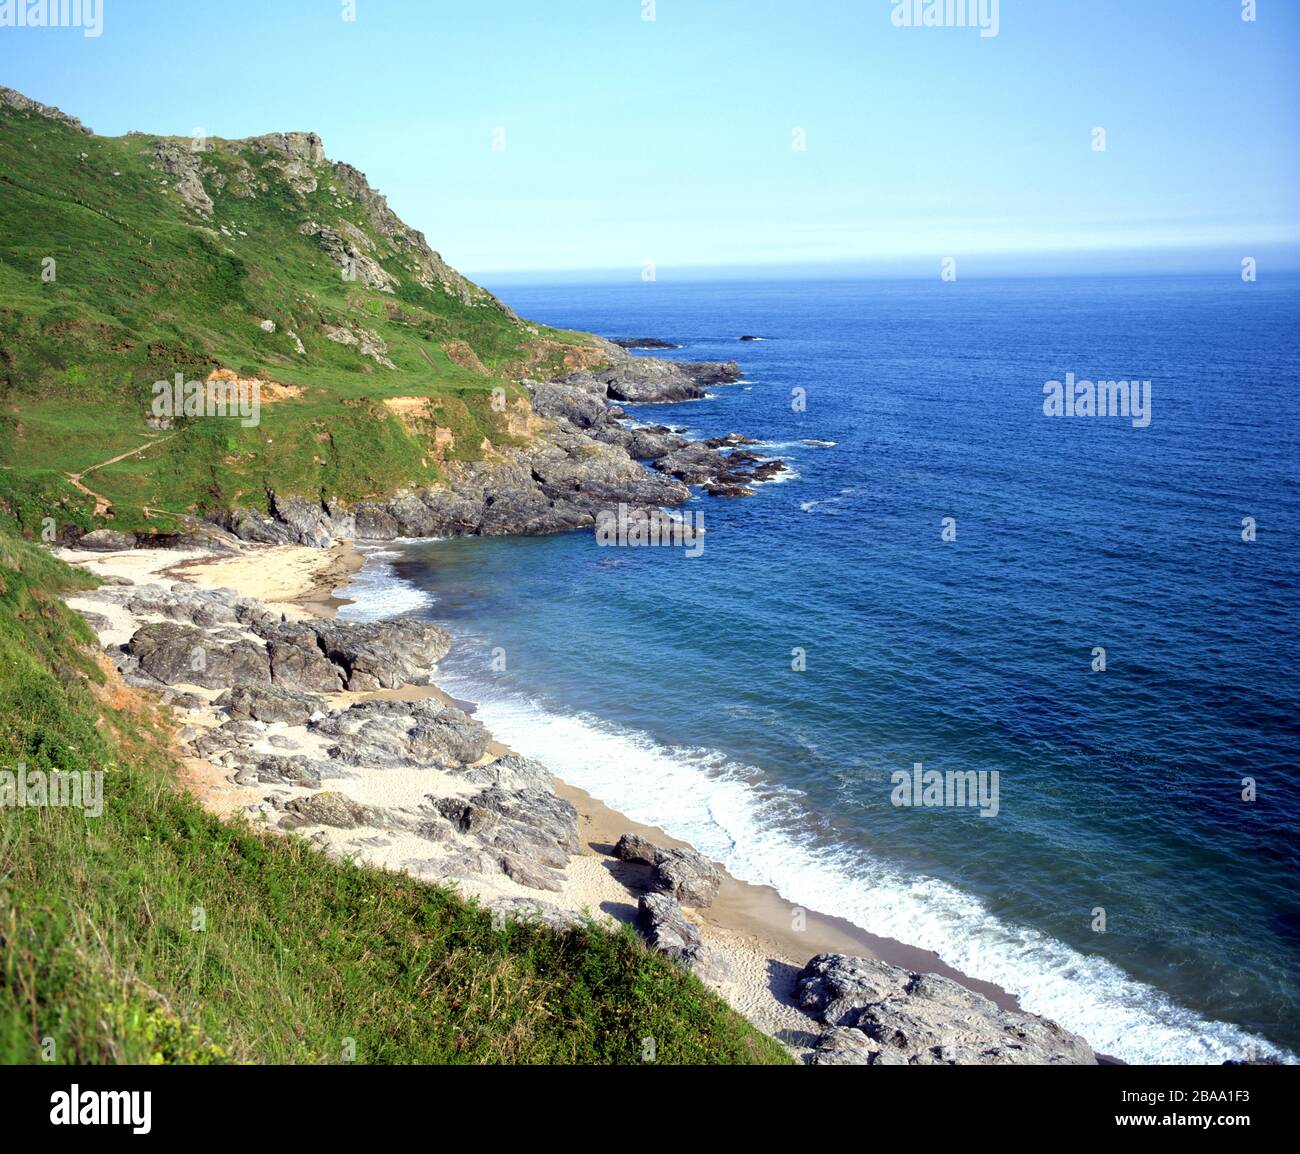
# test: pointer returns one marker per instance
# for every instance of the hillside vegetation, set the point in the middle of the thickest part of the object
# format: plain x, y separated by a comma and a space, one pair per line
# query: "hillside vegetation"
155, 932
104, 956
127, 260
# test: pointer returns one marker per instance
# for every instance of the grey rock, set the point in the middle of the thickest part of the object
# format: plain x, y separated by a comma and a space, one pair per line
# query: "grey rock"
106, 541
688, 876
529, 873
665, 924
15, 99
925, 1019
840, 1046
529, 910
466, 816
631, 847
383, 654
297, 663
668, 930
274, 769
180, 654
271, 703
390, 733
333, 809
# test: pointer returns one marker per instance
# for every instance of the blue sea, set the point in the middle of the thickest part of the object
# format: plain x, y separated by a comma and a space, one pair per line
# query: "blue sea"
663, 683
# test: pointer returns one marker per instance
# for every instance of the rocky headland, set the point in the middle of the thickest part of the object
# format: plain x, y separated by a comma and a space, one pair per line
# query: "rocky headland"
582, 453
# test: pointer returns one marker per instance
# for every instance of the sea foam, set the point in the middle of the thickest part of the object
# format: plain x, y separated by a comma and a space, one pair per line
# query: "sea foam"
723, 809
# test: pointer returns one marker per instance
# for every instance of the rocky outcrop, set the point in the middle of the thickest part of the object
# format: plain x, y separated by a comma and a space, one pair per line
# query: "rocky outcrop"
649, 380
330, 808
174, 654
688, 876
271, 704
391, 733
25, 104
878, 1014
280, 729
583, 461
106, 541
182, 162
683, 874
219, 640
634, 848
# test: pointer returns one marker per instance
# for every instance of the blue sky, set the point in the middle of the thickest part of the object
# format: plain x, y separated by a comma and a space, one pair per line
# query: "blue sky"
671, 140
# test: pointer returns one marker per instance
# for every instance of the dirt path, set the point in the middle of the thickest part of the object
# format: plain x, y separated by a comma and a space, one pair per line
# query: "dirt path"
101, 502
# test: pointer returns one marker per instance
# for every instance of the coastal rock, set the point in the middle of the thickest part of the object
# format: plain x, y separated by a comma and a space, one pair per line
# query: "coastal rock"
538, 823
270, 703
383, 654
532, 831
632, 847
644, 343
665, 925
106, 541
668, 930
924, 1019
178, 654
688, 876
332, 809
466, 816
530, 911
275, 769
390, 733
323, 656
528, 873
510, 772
839, 1046
579, 463
298, 665
580, 408
711, 372
683, 874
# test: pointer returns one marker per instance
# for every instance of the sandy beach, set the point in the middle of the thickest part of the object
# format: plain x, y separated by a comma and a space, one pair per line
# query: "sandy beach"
763, 939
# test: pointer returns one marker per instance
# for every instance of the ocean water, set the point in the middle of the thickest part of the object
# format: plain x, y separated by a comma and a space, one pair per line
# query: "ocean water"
664, 685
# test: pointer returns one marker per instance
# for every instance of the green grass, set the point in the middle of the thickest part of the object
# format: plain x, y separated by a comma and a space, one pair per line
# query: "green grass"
144, 289
299, 953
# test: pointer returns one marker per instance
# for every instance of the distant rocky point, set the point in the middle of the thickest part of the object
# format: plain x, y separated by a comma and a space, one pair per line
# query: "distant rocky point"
645, 343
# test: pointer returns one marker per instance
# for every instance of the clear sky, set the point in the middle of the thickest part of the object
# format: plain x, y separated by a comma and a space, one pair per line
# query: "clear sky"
671, 139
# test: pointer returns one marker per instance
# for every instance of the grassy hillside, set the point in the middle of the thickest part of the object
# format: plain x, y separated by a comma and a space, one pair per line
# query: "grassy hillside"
98, 950
168, 258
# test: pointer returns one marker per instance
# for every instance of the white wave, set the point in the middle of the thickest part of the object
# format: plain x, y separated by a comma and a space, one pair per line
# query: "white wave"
377, 592
840, 497
807, 443
697, 796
